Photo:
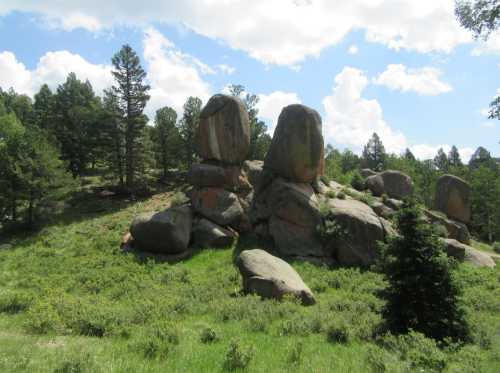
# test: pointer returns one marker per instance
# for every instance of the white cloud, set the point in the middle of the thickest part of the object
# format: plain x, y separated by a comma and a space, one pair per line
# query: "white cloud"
270, 106
173, 75
282, 32
352, 119
488, 125
353, 49
13, 74
226, 69
425, 151
52, 69
490, 46
424, 81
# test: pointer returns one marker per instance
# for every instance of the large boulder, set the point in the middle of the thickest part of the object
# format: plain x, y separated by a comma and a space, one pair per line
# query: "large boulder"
454, 229
366, 172
223, 133
209, 234
296, 151
453, 198
295, 217
253, 171
206, 175
393, 183
218, 205
465, 253
166, 232
271, 277
359, 230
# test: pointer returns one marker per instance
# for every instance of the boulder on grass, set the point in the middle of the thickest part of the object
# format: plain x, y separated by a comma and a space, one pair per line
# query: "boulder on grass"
453, 198
166, 232
209, 234
296, 151
465, 253
393, 183
223, 133
359, 230
218, 205
271, 277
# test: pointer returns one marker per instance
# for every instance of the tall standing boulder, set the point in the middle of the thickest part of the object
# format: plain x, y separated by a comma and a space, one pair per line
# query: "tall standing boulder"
453, 198
224, 130
296, 151
395, 184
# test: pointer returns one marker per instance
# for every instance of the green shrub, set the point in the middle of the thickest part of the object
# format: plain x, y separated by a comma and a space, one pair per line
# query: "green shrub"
384, 197
76, 362
341, 195
14, 302
295, 354
208, 335
42, 318
338, 332
357, 181
237, 356
496, 247
331, 194
178, 198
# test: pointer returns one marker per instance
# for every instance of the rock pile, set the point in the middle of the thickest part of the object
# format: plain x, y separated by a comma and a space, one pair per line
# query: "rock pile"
222, 192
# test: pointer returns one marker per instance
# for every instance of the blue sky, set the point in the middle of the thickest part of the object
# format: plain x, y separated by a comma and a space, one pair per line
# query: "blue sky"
402, 68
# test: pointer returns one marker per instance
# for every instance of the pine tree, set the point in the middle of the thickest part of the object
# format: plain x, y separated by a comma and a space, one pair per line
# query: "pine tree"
441, 161
132, 98
260, 141
165, 136
481, 157
374, 156
44, 107
187, 128
409, 155
422, 294
454, 159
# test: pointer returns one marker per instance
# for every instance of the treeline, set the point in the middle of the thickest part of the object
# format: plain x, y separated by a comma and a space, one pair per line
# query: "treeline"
482, 172
48, 143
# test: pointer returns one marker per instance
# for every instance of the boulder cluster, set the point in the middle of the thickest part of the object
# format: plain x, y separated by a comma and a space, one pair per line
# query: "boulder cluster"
286, 200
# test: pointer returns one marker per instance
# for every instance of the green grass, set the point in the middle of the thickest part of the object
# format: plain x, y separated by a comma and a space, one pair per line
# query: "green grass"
72, 301
482, 246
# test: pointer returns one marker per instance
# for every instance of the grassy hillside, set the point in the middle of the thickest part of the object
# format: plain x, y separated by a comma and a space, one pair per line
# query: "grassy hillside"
72, 301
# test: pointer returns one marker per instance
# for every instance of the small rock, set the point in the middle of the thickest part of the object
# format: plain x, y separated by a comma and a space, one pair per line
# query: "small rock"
209, 234
218, 205
465, 253
271, 277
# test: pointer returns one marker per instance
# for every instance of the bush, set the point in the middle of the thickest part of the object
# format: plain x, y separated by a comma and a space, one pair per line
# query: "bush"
496, 247
14, 302
338, 333
208, 335
295, 354
341, 195
76, 362
422, 294
385, 198
237, 356
178, 198
331, 194
357, 181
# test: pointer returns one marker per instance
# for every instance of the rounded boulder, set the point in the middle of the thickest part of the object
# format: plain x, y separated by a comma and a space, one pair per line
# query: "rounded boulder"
223, 133
296, 151
453, 198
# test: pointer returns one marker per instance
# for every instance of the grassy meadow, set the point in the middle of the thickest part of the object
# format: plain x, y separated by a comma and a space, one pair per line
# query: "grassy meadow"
72, 301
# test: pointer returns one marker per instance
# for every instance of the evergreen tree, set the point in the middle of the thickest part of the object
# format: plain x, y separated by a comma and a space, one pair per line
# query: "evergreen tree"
44, 108
485, 185
165, 136
481, 157
422, 294
76, 107
454, 159
132, 98
187, 128
482, 17
409, 155
374, 156
349, 161
441, 161
260, 141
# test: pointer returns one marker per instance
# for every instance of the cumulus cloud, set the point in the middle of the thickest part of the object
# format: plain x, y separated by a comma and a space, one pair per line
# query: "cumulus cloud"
226, 69
52, 69
270, 106
173, 75
490, 46
282, 32
353, 49
424, 81
351, 119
